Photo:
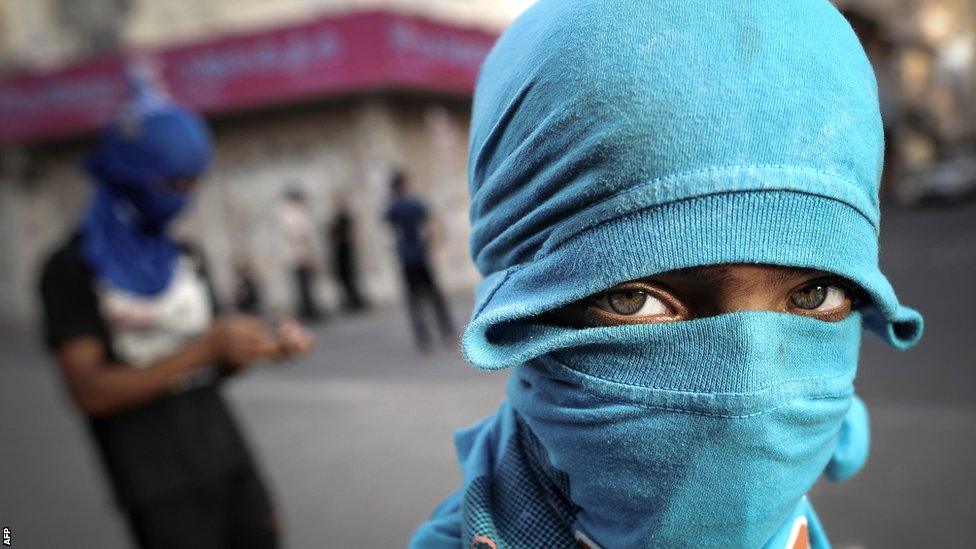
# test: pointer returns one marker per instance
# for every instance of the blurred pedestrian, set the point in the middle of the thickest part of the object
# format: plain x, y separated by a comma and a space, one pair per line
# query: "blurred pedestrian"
341, 236
247, 292
299, 232
130, 316
411, 222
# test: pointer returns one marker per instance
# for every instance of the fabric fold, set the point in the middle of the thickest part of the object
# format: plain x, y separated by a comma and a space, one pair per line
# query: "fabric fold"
774, 227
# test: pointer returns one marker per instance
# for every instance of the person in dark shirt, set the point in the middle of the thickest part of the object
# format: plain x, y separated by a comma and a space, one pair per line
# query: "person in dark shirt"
130, 317
247, 293
340, 233
409, 218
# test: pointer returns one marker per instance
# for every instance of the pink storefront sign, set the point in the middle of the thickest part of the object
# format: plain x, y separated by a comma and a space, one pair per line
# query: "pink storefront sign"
325, 57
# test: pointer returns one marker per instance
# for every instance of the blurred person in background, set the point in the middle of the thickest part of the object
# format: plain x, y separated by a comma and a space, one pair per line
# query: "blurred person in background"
410, 220
341, 237
131, 319
247, 292
299, 233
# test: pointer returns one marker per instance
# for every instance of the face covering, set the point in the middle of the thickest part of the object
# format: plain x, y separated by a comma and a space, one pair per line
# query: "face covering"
151, 144
691, 434
612, 141
153, 208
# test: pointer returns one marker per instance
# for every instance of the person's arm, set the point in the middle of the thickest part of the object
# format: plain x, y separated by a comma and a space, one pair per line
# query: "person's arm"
101, 388
430, 225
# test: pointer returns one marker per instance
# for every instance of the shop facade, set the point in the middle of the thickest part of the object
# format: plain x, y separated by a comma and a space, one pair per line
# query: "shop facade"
330, 107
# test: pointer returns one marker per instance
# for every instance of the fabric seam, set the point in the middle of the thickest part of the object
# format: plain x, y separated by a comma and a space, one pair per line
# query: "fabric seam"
691, 393
683, 392
508, 273
726, 416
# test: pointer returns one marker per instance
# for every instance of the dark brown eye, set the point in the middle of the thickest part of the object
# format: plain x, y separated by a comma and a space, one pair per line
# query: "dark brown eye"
818, 297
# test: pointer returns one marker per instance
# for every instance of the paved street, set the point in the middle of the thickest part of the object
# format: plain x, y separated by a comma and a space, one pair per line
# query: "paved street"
356, 439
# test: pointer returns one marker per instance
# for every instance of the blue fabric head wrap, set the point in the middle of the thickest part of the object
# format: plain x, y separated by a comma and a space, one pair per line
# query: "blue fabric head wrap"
150, 143
612, 140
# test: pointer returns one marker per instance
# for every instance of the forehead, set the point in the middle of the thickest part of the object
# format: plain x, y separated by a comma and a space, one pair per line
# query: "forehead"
740, 274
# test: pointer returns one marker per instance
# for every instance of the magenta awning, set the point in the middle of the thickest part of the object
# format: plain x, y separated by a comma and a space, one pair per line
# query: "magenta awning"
327, 56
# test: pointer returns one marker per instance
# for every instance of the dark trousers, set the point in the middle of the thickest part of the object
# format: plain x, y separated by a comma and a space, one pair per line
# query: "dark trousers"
307, 308
346, 272
422, 287
235, 513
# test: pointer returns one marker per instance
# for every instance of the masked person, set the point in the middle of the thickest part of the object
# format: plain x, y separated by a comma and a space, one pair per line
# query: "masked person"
674, 206
130, 316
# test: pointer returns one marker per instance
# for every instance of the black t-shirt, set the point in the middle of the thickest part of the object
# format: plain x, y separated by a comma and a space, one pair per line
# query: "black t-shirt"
179, 440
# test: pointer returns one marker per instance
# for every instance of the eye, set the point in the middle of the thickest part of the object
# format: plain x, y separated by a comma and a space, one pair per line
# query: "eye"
819, 297
631, 302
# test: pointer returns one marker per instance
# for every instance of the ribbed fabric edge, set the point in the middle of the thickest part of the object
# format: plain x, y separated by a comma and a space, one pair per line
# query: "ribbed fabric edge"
774, 227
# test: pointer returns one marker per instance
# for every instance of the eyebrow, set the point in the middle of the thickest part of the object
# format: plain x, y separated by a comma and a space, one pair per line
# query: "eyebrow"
712, 274
722, 275
788, 274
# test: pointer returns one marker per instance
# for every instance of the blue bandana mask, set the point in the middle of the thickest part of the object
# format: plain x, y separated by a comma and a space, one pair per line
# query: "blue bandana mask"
151, 207
701, 433
149, 145
613, 140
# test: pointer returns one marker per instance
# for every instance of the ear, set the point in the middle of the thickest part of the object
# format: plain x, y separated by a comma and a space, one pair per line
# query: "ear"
852, 443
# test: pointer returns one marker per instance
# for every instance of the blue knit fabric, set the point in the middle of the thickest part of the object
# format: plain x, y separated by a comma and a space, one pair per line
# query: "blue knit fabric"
612, 141
151, 142
691, 434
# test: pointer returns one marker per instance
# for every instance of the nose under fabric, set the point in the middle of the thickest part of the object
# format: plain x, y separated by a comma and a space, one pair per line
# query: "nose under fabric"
737, 353
691, 434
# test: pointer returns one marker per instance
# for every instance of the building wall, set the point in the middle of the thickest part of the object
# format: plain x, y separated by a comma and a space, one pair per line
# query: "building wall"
188, 19
349, 146
44, 33
38, 198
